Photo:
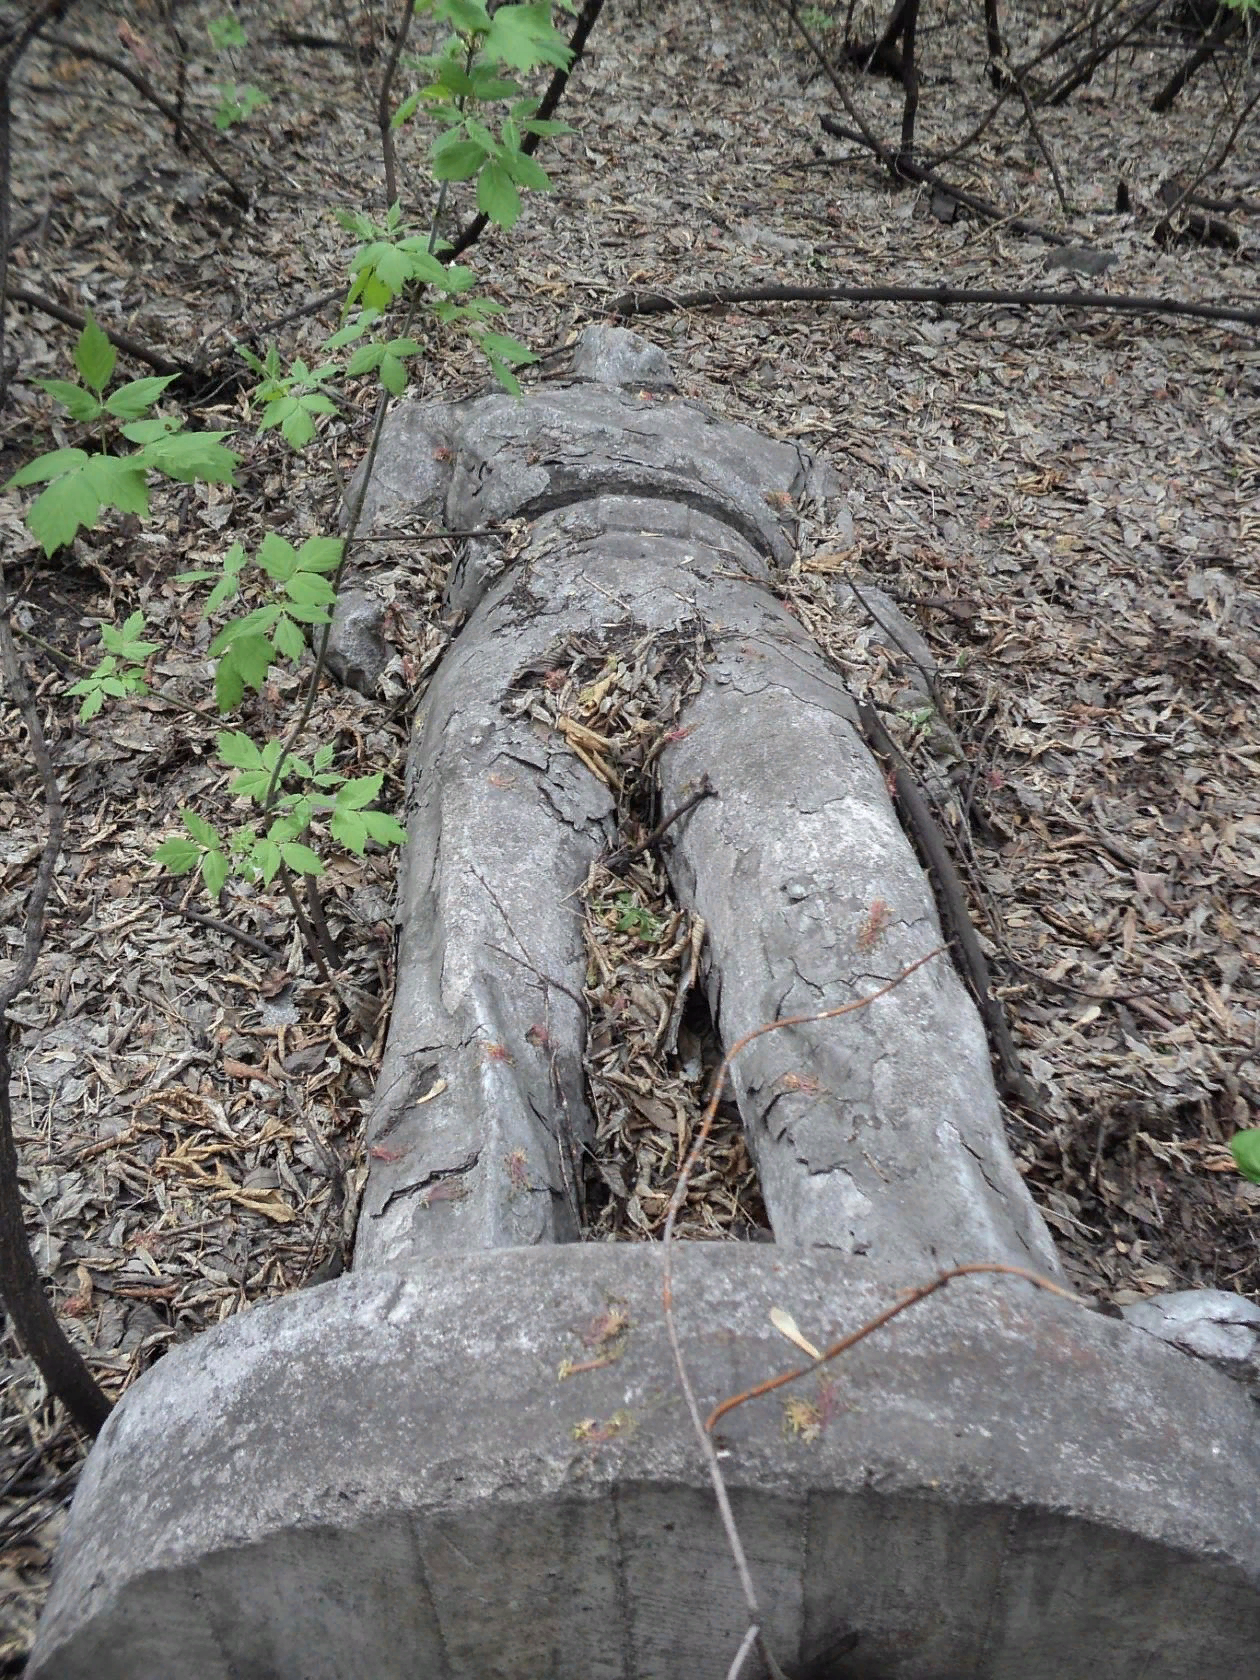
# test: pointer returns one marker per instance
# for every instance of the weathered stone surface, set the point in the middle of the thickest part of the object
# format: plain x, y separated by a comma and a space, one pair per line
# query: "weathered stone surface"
385, 1477
878, 1133
1213, 1324
617, 356
357, 653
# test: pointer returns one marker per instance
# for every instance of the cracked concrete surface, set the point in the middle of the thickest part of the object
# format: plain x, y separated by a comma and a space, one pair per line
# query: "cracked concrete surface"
421, 1469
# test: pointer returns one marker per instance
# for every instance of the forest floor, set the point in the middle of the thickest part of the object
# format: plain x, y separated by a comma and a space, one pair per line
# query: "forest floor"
1065, 502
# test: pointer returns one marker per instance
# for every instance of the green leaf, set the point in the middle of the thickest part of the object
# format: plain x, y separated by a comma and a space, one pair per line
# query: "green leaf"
478, 131
245, 664
148, 431
469, 17
456, 278
95, 700
308, 589
288, 639
118, 482
406, 109
94, 355
191, 456
362, 790
225, 32
458, 160
266, 859
355, 222
487, 84
384, 829
320, 554
238, 751
122, 640
366, 359
201, 830
392, 268
227, 589
214, 872
307, 615
507, 349
44, 467
297, 426
497, 196
55, 517
526, 173
423, 265
355, 329
277, 557
251, 784
524, 37
393, 375
348, 829
1245, 1148
82, 405
454, 79
177, 854
545, 126
255, 624
301, 858
129, 402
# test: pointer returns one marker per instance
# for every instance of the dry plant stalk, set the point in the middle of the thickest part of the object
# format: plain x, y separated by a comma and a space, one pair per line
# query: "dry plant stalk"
754, 1634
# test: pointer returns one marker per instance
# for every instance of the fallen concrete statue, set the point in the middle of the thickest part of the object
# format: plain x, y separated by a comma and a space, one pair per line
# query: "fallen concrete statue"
470, 1457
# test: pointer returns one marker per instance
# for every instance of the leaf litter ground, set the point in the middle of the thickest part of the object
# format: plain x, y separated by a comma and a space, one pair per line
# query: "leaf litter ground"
1066, 506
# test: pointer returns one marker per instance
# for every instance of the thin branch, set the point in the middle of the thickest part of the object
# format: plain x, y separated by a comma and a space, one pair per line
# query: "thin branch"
1063, 91
384, 116
912, 171
59, 1361
1223, 26
881, 151
172, 113
911, 1298
661, 303
667, 1289
623, 854
120, 340
38, 17
953, 903
1043, 144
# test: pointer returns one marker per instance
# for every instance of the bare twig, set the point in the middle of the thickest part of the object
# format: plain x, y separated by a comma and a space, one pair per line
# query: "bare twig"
623, 854
1043, 144
242, 937
144, 87
675, 1203
953, 903
37, 19
911, 1298
867, 135
1098, 55
384, 115
912, 171
1224, 24
120, 340
60, 1363
661, 303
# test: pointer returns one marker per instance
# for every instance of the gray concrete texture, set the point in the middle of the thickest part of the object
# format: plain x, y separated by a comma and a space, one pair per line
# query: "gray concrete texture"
878, 1133
396, 1474
387, 1476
